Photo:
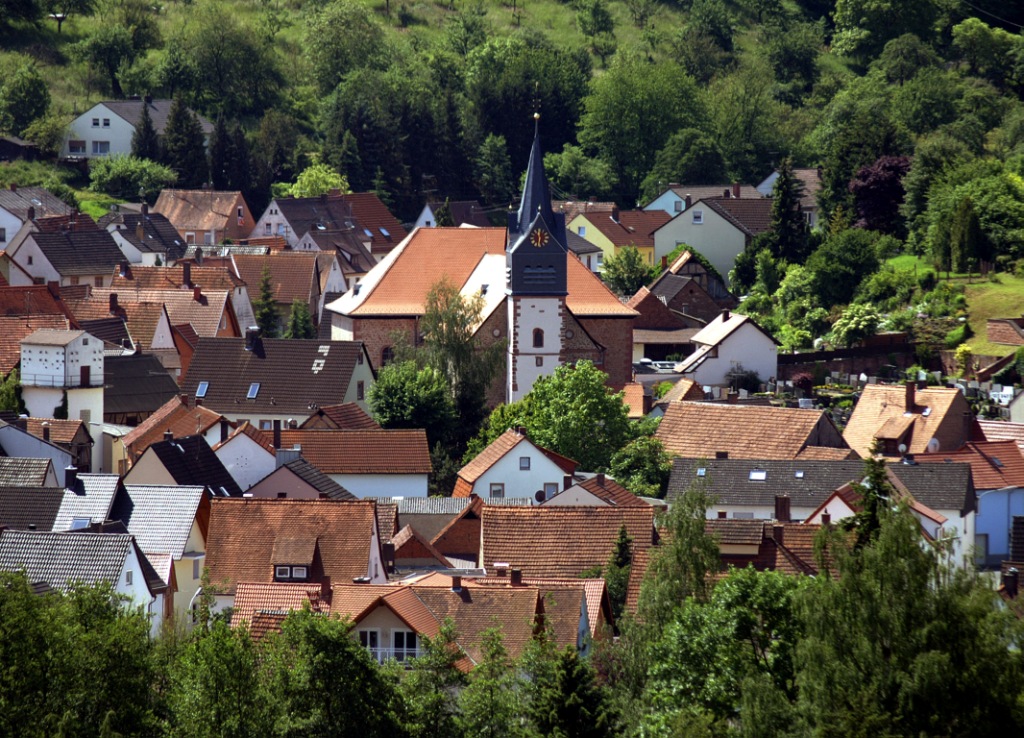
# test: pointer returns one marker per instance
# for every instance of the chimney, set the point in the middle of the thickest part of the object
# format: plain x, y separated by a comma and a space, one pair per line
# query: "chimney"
736, 190
615, 213
168, 436
908, 403
70, 477
145, 209
567, 481
252, 334
387, 552
113, 302
664, 263
123, 269
140, 231
733, 397
325, 587
46, 431
197, 293
689, 201
199, 403
1011, 581
456, 584
53, 287
14, 186
31, 212
501, 568
726, 192
199, 255
223, 427
516, 577
148, 99
600, 480
782, 508
725, 314
826, 519
277, 434
184, 398
282, 495
779, 534
721, 454
186, 274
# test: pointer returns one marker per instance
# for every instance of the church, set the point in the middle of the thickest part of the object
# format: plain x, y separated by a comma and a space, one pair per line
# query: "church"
538, 298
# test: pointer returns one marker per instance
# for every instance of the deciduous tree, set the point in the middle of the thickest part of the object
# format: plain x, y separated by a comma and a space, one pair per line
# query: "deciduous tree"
625, 272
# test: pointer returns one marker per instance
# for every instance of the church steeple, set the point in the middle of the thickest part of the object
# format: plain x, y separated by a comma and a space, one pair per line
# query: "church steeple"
536, 247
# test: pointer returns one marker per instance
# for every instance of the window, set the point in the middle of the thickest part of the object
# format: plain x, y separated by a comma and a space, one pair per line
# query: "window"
202, 388
128, 577
100, 147
106, 122
240, 212
73, 280
282, 572
403, 645
550, 490
360, 391
254, 389
98, 282
266, 425
582, 230
190, 238
538, 338
799, 474
497, 490
76, 147
95, 122
79, 523
267, 229
208, 238
758, 475
698, 217
370, 640
678, 206
384, 231
387, 355
539, 361
298, 572
197, 567
359, 358
524, 463
702, 471
85, 341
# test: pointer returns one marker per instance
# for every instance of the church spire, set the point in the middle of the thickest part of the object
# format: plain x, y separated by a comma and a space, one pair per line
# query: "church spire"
536, 194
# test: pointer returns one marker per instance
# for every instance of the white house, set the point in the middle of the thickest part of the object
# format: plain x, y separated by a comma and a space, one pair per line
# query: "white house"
246, 455
107, 127
21, 204
730, 343
513, 466
18, 443
677, 198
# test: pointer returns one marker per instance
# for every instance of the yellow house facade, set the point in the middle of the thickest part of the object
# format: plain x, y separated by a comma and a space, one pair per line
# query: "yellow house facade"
615, 230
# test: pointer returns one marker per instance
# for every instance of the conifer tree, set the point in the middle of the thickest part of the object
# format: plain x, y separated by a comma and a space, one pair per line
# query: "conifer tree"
616, 574
184, 149
965, 237
569, 702
489, 706
789, 229
300, 322
265, 307
239, 171
145, 142
220, 155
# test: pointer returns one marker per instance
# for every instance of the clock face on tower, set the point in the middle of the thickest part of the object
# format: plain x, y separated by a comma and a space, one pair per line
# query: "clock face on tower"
539, 237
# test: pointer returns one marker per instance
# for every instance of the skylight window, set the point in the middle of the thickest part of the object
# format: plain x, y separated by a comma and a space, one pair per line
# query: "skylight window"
997, 462
385, 232
80, 523
926, 412
368, 232
254, 389
758, 475
701, 471
201, 389
799, 474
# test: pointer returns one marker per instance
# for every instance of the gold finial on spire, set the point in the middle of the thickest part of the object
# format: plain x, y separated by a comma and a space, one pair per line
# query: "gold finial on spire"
536, 116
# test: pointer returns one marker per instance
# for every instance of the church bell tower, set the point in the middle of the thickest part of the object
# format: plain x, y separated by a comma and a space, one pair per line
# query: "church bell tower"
535, 282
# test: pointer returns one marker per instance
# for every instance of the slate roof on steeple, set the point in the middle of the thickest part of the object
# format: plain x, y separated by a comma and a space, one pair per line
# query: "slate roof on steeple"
536, 194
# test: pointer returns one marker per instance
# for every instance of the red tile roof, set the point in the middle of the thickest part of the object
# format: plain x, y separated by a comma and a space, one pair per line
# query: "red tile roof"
882, 412
173, 278
174, 416
560, 541
632, 228
994, 464
15, 328
496, 451
605, 488
293, 274
346, 416
244, 532
61, 431
361, 451
198, 210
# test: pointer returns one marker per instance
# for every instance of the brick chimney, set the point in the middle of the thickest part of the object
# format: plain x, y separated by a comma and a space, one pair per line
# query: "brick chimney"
615, 213
732, 397
515, 577
197, 293
186, 274
826, 519
736, 189
782, 511
325, 587
726, 192
689, 201
567, 481
112, 300
184, 398
908, 402
779, 534
456, 584
600, 480
664, 263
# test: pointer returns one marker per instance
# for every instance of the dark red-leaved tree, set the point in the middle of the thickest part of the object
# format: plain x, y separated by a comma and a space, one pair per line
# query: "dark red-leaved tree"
878, 193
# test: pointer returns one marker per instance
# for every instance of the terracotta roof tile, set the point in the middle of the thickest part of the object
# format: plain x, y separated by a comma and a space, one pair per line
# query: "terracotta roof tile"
61, 431
701, 192
14, 328
242, 534
293, 274
346, 416
572, 208
605, 488
634, 399
142, 318
994, 464
198, 210
387, 520
398, 451
141, 277
205, 314
560, 541
633, 227
936, 413
278, 598
696, 429
32, 301
409, 544
174, 416
683, 390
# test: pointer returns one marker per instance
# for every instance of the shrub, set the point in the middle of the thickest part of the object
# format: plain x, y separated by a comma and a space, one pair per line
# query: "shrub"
126, 176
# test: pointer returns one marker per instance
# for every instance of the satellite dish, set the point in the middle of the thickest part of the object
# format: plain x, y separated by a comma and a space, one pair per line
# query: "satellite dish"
539, 496
933, 446
903, 448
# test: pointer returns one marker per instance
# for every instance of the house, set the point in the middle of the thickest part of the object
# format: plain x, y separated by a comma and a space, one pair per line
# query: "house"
908, 420
559, 541
997, 469
205, 216
26, 472
88, 499
17, 442
719, 228
144, 237
363, 212
177, 418
414, 552
108, 127
792, 490
63, 369
13, 148
295, 541
21, 205
71, 435
183, 461
14, 329
346, 416
513, 466
210, 312
685, 390
146, 325
463, 213
351, 250
135, 387
690, 288
730, 346
293, 276
428, 516
29, 507
617, 229
714, 430
572, 208
810, 181
63, 560
169, 523
567, 315
658, 332
185, 277
589, 254
679, 198
367, 463
599, 490
70, 251
266, 379
247, 455
299, 480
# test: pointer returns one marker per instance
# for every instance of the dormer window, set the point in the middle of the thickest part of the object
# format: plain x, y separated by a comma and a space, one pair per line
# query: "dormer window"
284, 573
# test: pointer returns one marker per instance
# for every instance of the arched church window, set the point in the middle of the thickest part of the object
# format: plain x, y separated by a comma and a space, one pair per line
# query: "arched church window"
387, 355
538, 338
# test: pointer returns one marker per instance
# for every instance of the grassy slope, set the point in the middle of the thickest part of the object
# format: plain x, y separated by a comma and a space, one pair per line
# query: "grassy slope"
993, 300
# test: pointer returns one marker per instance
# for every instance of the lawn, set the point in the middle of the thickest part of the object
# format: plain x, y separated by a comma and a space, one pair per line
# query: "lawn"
985, 299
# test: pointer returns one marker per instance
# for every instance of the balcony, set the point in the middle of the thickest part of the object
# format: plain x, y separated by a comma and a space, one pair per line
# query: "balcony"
49, 380
393, 654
